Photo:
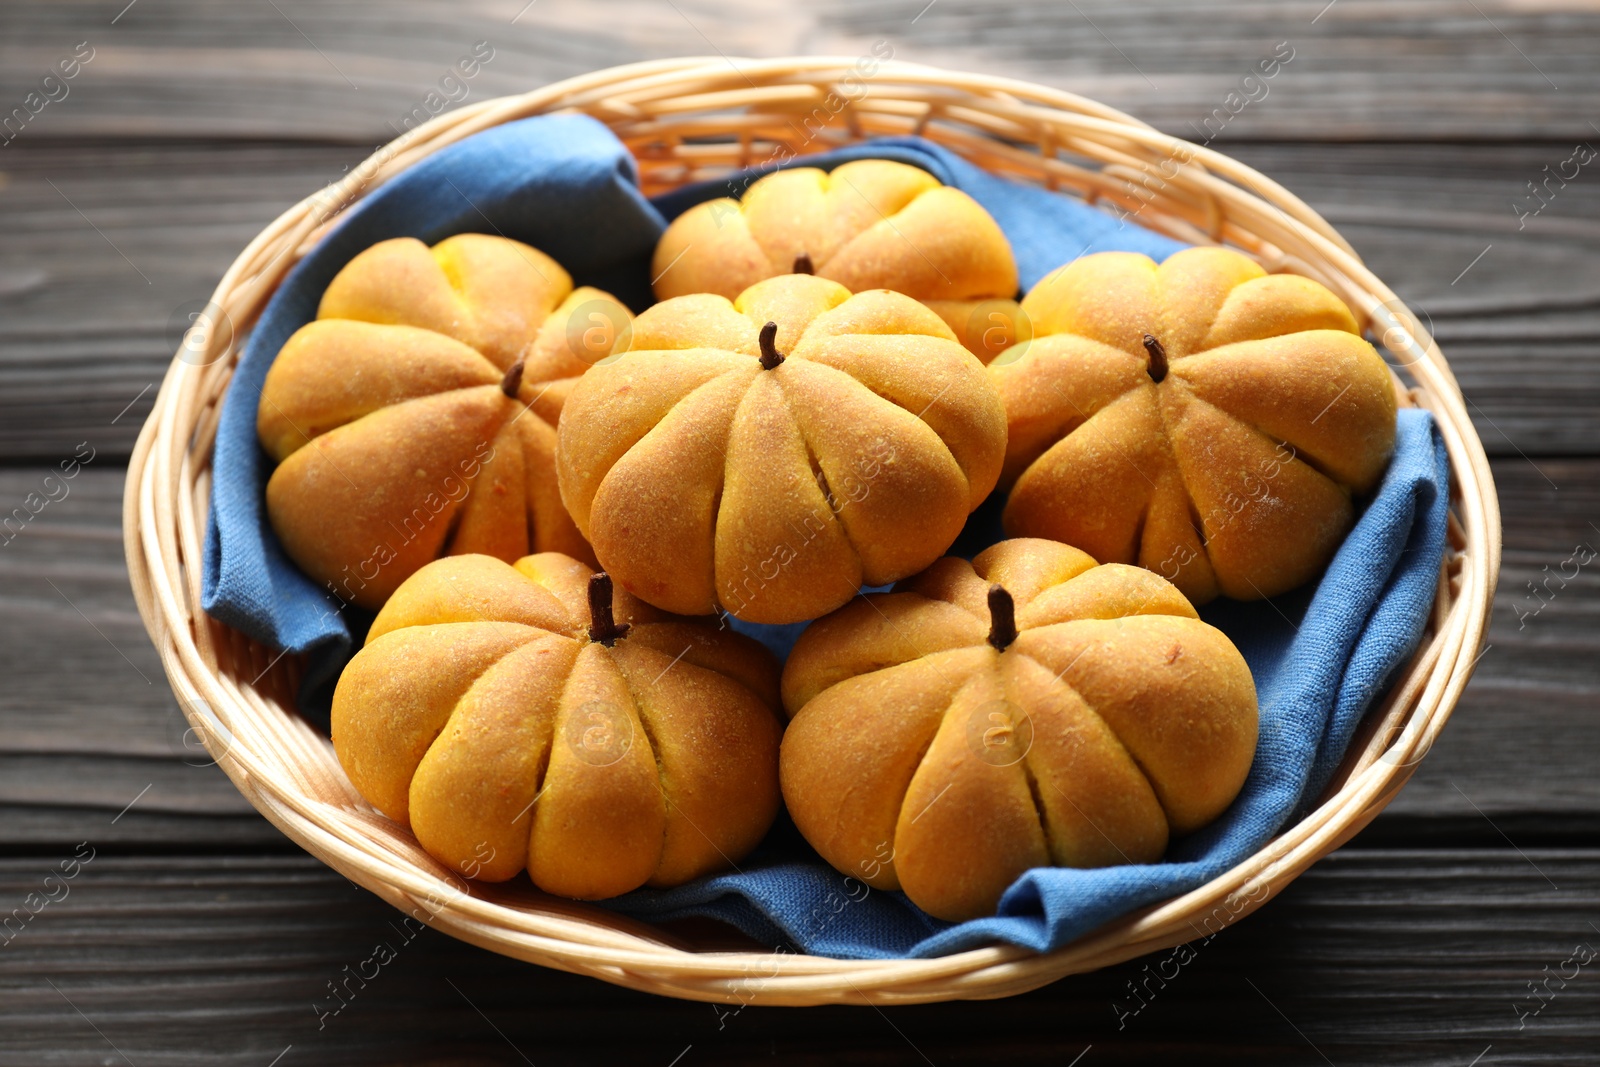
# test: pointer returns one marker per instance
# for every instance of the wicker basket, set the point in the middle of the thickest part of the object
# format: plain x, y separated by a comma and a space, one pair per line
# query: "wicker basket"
686, 120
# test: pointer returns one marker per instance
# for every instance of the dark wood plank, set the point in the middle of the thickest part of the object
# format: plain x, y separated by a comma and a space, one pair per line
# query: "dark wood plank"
1530, 706
1360, 69
93, 305
83, 730
1382, 957
108, 252
88, 724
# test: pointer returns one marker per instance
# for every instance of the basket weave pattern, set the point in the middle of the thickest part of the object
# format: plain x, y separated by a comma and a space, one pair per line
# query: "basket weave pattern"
688, 120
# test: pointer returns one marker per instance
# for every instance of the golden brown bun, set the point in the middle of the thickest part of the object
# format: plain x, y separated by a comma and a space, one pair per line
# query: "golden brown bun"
706, 481
871, 224
481, 714
1234, 473
922, 758
394, 440
984, 327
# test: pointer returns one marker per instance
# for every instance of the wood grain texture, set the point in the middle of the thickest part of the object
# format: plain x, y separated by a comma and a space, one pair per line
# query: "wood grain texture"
1530, 706
109, 248
88, 724
1372, 957
1369, 69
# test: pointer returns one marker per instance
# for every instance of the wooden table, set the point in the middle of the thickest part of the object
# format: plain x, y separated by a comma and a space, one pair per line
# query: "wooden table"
197, 934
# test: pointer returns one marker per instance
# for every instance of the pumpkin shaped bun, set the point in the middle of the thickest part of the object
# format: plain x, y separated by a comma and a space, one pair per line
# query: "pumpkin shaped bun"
1202, 418
518, 717
770, 455
1027, 709
870, 224
416, 416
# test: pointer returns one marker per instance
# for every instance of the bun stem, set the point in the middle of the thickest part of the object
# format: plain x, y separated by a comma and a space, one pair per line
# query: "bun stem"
602, 625
1002, 618
770, 356
1158, 358
513, 380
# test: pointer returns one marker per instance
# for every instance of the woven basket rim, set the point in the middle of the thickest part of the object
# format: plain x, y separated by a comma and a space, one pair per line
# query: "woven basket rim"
696, 117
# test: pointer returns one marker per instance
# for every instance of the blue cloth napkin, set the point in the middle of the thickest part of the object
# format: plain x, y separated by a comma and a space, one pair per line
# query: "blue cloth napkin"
567, 186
